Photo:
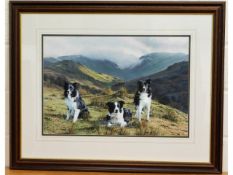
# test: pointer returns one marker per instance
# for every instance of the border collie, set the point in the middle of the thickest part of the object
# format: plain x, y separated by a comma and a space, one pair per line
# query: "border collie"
142, 98
117, 115
74, 102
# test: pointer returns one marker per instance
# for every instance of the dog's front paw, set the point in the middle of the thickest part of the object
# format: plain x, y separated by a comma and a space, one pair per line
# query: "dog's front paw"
67, 116
74, 121
123, 124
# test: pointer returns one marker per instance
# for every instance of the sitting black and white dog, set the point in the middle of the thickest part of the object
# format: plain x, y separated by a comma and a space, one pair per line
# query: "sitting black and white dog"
74, 102
142, 98
117, 115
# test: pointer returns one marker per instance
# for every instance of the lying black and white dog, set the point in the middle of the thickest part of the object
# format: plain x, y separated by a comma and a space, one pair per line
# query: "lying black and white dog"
74, 102
142, 98
117, 115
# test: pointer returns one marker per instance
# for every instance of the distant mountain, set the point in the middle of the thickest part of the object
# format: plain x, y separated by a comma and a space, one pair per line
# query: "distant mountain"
149, 64
153, 63
50, 60
170, 86
67, 70
102, 66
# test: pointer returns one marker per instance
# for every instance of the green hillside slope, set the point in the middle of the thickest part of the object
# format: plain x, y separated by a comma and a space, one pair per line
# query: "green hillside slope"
59, 72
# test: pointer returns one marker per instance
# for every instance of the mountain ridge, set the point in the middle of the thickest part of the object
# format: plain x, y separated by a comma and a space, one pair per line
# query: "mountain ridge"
100, 66
149, 64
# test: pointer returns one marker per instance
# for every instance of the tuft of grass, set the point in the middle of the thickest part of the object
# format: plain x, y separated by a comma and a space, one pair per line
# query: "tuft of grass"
121, 93
98, 102
171, 115
108, 91
146, 129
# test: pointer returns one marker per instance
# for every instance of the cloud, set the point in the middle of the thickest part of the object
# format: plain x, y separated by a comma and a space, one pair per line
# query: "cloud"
122, 50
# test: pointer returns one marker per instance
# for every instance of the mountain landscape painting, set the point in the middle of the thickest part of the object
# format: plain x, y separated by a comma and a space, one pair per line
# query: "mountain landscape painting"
116, 85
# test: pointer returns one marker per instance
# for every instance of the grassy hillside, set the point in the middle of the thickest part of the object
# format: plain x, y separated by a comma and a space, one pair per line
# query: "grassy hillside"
165, 120
101, 77
59, 72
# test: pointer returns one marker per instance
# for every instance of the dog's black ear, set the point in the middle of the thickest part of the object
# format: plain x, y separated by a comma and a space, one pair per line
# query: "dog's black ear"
148, 81
76, 85
140, 82
121, 103
66, 85
108, 104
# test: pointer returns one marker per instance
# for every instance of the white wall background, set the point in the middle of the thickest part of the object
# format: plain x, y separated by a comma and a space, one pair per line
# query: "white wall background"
7, 93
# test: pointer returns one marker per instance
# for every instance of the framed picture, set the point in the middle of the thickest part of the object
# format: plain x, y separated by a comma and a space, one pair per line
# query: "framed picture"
117, 86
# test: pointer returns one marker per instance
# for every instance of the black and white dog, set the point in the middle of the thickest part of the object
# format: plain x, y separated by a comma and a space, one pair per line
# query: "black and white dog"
74, 102
142, 98
117, 115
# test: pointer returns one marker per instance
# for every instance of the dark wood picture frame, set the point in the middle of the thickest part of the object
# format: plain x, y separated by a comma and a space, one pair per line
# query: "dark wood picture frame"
215, 8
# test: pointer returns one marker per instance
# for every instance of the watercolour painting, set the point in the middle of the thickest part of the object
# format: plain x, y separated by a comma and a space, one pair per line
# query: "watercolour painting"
94, 85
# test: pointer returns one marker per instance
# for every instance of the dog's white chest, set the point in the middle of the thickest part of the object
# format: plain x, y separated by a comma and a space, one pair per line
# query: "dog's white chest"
144, 98
71, 104
116, 118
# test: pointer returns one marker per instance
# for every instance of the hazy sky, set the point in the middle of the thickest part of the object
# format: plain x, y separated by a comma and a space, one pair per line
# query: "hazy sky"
124, 51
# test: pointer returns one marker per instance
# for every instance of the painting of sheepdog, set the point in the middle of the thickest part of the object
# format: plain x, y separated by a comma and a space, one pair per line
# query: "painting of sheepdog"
127, 85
